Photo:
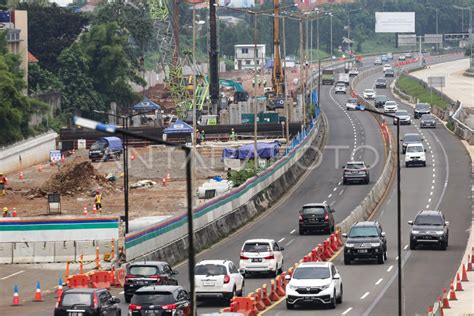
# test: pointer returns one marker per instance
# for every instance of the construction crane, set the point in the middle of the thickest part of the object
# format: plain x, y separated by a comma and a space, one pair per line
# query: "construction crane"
278, 80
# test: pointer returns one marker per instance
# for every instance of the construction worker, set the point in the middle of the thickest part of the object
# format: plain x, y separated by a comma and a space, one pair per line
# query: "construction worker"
6, 213
203, 136
198, 137
259, 82
264, 82
253, 83
98, 201
232, 134
3, 183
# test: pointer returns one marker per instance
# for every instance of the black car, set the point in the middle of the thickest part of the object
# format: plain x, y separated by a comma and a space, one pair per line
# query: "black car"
87, 302
427, 120
410, 138
429, 228
380, 101
420, 109
316, 217
365, 240
147, 273
355, 171
160, 300
381, 83
389, 73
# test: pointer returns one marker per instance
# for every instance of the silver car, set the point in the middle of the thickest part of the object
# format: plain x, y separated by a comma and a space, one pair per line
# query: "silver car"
403, 116
427, 121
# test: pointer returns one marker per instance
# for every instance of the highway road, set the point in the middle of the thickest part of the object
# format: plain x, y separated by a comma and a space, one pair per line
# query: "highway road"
371, 289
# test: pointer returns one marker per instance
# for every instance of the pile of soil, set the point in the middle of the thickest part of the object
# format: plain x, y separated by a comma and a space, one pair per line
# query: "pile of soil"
76, 176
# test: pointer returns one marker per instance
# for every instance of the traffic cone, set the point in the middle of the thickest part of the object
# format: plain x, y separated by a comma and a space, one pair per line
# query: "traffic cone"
445, 299
21, 177
458, 283
16, 297
168, 177
430, 311
464, 274
14, 212
469, 263
164, 181
38, 293
132, 157
60, 288
94, 209
85, 211
452, 293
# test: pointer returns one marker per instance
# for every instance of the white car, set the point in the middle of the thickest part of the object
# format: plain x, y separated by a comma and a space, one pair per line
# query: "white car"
261, 255
377, 61
390, 56
369, 94
353, 72
351, 104
340, 88
403, 116
386, 67
390, 107
415, 154
218, 279
314, 282
401, 57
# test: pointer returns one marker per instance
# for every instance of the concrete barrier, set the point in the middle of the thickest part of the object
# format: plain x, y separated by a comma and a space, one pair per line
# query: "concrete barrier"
87, 249
64, 251
6, 253
43, 252
23, 252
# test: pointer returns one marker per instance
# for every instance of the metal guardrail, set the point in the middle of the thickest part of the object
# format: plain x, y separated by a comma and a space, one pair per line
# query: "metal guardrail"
459, 128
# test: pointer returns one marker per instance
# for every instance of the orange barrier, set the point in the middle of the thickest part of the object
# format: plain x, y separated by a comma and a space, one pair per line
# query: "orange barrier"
233, 308
265, 299
464, 274
97, 257
440, 302
458, 283
120, 277
79, 281
339, 238
245, 305
273, 294
452, 293
258, 300
280, 289
469, 263
445, 299
60, 288
100, 279
333, 242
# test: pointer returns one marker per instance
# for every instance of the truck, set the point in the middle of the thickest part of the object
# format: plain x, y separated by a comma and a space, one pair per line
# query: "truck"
106, 148
343, 77
327, 77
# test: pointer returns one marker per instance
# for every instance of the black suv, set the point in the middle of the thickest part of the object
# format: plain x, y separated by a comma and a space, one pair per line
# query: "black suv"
365, 240
355, 171
380, 101
160, 300
410, 138
87, 302
316, 216
147, 273
381, 83
430, 228
420, 109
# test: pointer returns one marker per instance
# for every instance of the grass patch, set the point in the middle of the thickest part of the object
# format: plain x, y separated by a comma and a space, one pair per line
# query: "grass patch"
413, 88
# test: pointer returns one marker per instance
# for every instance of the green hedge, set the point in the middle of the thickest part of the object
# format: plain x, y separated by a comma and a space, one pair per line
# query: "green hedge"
415, 89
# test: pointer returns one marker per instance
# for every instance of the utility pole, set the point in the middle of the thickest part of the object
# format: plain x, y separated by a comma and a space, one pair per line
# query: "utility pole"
303, 84
255, 152
331, 36
277, 74
194, 77
213, 58
287, 106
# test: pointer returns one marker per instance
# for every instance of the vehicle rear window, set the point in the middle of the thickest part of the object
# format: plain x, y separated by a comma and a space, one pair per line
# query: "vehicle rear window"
153, 298
427, 117
363, 231
414, 149
401, 112
257, 247
76, 299
304, 273
210, 269
412, 137
313, 210
428, 220
352, 101
422, 106
356, 166
143, 270
381, 80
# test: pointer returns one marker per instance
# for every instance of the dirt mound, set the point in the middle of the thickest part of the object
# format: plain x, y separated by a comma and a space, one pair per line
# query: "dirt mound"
75, 176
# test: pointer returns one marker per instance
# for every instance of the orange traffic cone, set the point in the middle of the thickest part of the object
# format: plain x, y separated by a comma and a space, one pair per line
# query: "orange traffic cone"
94, 209
168, 177
445, 299
164, 181
458, 283
132, 157
85, 211
60, 288
440, 302
14, 212
38, 297
16, 297
21, 175
464, 274
452, 293
469, 263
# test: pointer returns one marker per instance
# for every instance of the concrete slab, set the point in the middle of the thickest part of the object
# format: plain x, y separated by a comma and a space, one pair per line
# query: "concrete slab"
23, 252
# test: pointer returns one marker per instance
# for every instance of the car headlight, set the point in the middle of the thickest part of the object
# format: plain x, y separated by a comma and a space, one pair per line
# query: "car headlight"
375, 244
322, 288
415, 232
292, 287
349, 245
439, 233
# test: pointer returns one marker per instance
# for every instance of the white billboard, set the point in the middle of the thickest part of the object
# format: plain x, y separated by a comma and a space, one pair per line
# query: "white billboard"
237, 3
394, 22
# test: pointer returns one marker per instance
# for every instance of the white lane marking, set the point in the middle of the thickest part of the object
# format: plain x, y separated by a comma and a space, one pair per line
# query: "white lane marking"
12, 275
281, 239
332, 203
289, 243
389, 268
324, 202
339, 183
365, 295
293, 231
406, 247
446, 159
427, 206
347, 311
434, 175
434, 170
379, 281
431, 193
334, 189
432, 187
342, 191
434, 181
396, 258
329, 196
429, 200
121, 292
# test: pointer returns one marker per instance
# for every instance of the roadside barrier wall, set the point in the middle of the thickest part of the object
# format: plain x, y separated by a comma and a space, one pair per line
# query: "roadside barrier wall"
31, 151
56, 239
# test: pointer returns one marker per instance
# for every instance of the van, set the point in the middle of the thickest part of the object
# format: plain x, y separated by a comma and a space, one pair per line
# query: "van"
106, 148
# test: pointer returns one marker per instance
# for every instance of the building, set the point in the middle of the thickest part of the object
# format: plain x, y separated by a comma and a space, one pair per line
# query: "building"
16, 24
245, 55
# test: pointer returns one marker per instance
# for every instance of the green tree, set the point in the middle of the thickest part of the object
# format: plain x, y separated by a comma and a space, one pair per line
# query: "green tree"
42, 80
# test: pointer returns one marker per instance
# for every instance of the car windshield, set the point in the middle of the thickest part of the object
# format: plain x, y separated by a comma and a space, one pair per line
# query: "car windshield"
400, 113
256, 247
313, 210
352, 101
210, 269
414, 149
98, 145
427, 117
428, 220
363, 231
422, 106
369, 91
412, 138
381, 98
306, 273
390, 103
70, 299
340, 85
389, 70
143, 270
381, 80
355, 165
153, 298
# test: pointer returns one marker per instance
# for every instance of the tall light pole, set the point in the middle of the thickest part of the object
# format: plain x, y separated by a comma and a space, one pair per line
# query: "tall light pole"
303, 84
194, 77
287, 106
255, 150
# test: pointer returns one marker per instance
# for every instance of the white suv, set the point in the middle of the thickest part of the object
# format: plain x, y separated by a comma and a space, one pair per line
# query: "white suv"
218, 279
415, 154
261, 255
390, 107
314, 282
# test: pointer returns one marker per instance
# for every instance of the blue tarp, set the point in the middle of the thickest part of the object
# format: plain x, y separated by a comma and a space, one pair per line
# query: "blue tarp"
115, 143
264, 150
230, 153
178, 127
146, 105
